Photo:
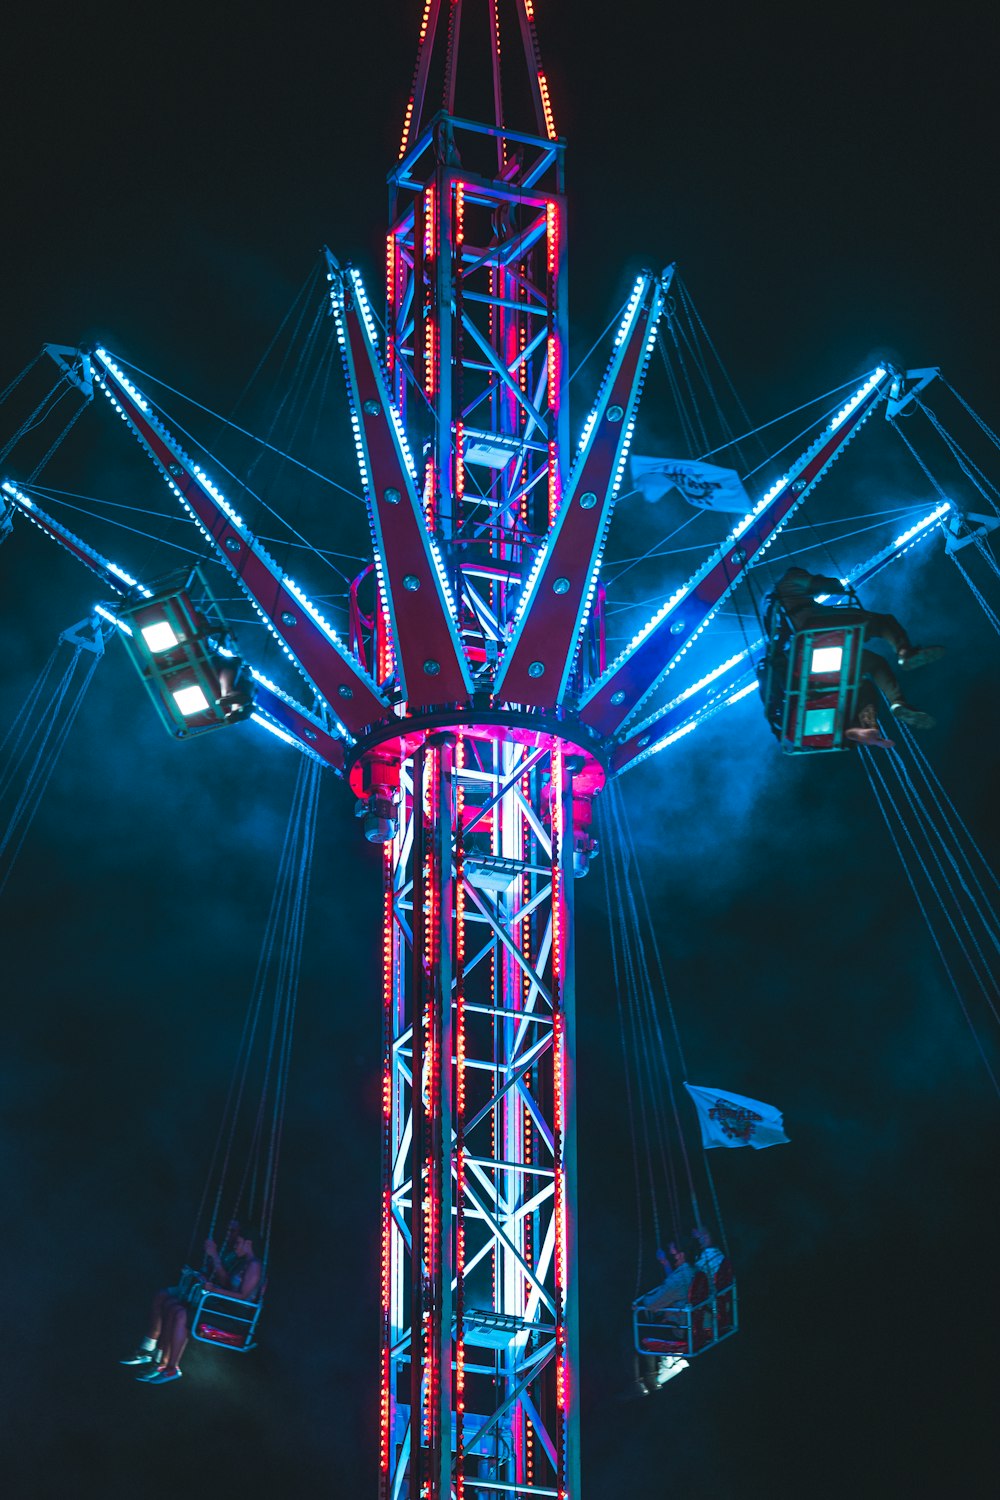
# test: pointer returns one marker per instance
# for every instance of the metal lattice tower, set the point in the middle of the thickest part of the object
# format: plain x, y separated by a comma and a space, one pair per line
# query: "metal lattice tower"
479, 1353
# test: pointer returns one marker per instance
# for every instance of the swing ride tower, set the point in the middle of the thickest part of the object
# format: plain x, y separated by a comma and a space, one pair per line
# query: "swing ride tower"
479, 1356
487, 785
475, 717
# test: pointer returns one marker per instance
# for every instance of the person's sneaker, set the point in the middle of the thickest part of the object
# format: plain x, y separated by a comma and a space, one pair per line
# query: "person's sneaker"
919, 656
913, 718
161, 1377
140, 1357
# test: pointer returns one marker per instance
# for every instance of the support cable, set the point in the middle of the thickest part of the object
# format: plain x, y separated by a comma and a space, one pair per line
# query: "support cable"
245, 489
636, 1052
616, 319
690, 337
977, 593
983, 426
611, 909
939, 490
883, 799
836, 391
35, 418
655, 1122
939, 795
945, 886
263, 1060
36, 741
626, 833
304, 292
625, 563
9, 389
936, 892
986, 554
694, 415
966, 463
55, 496
675, 392
735, 442
243, 431
649, 1048
57, 443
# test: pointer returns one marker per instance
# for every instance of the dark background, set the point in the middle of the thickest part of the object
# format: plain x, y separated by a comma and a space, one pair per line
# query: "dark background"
826, 178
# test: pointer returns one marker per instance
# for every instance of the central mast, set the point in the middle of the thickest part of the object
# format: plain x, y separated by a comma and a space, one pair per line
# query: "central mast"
479, 1341
476, 301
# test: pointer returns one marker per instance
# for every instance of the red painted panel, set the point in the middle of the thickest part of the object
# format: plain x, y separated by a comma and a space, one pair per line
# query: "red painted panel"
423, 630
549, 634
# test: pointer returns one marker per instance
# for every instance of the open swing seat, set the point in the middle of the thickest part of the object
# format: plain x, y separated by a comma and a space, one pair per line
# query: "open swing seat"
227, 1321
811, 684
687, 1330
179, 643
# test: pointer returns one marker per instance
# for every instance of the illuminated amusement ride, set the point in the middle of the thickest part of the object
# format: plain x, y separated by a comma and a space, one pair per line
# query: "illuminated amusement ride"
473, 711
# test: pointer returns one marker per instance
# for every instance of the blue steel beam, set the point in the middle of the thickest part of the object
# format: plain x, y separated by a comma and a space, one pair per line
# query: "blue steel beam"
274, 709
114, 578
636, 674
734, 679
538, 663
308, 639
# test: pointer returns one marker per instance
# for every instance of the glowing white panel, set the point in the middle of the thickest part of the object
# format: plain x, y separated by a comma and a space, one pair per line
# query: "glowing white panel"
159, 637
827, 659
190, 700
818, 721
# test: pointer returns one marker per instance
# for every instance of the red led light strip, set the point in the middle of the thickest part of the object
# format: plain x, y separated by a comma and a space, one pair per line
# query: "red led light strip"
388, 989
410, 103
459, 1122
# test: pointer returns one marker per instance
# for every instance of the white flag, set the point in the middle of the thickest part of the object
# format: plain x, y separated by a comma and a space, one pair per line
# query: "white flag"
733, 1120
704, 485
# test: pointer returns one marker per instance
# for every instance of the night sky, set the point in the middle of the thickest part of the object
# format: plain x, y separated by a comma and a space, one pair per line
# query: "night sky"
825, 178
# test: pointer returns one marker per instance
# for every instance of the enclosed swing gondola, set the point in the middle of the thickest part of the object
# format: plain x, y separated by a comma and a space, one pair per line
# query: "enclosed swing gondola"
810, 681
183, 650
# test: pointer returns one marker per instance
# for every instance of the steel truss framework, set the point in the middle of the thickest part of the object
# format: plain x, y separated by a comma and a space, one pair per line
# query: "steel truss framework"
475, 356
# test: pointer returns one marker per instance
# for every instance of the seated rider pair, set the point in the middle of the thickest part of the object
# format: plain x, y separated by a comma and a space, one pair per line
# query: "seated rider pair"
796, 592
656, 1306
681, 1261
234, 1271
